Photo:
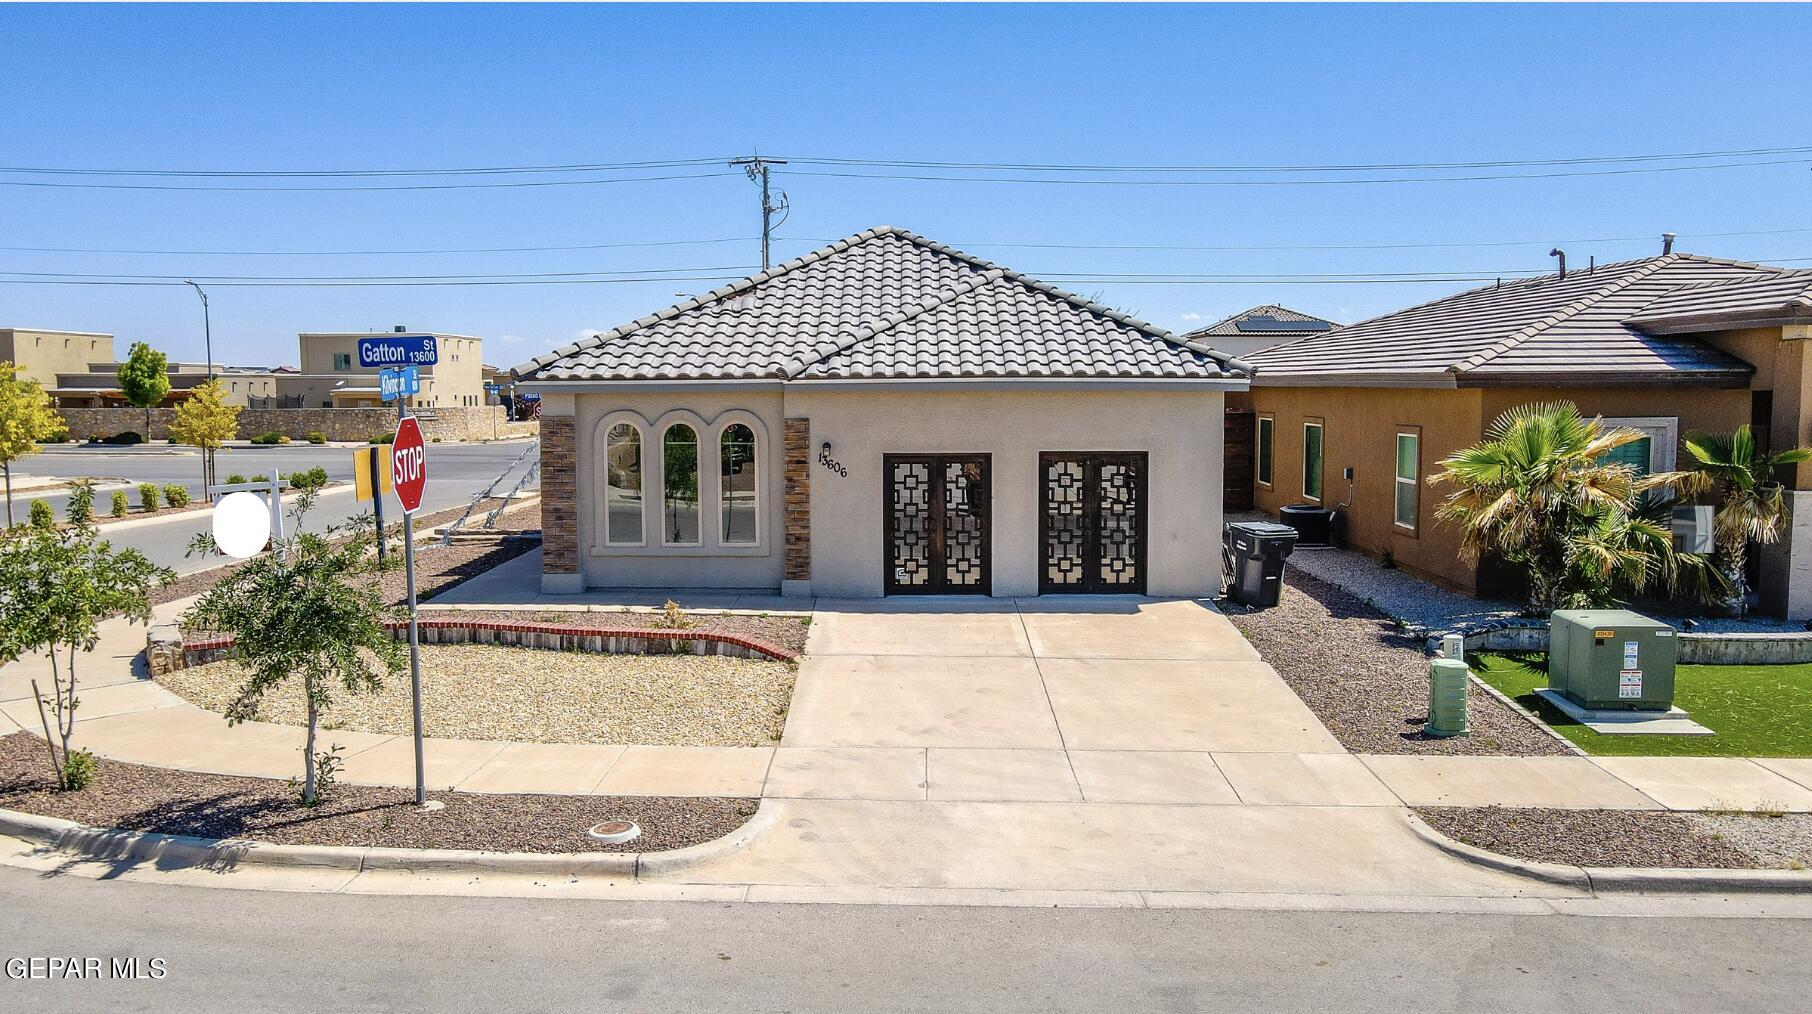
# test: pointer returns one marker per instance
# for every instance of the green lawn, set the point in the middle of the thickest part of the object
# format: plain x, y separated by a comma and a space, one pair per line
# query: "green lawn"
1756, 710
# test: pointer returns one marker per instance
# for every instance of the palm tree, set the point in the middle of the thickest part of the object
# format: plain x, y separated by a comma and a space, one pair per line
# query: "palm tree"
1751, 507
1539, 493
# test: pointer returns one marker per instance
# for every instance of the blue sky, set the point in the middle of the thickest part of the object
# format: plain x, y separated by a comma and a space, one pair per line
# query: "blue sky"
301, 87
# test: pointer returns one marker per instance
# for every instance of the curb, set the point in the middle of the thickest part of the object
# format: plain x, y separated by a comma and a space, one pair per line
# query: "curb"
171, 851
1605, 879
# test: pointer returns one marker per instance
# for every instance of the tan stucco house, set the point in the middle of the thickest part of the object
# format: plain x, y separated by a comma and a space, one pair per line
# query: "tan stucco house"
42, 355
1665, 345
884, 416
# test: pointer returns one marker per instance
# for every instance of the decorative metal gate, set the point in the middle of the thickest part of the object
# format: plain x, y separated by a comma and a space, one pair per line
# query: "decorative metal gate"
936, 524
1091, 522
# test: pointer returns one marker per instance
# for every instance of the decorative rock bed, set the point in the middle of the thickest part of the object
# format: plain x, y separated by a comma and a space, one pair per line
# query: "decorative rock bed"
167, 650
1784, 648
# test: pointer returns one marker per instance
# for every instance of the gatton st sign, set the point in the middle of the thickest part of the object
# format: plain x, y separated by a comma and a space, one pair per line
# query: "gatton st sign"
398, 350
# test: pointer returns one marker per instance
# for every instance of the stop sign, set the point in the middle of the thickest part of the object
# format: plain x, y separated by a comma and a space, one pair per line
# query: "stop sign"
409, 464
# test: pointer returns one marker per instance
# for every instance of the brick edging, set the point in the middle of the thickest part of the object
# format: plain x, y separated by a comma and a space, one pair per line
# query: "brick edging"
569, 637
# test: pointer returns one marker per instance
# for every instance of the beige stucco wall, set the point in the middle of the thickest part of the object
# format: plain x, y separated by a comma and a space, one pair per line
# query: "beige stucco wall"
456, 381
1180, 431
653, 565
41, 355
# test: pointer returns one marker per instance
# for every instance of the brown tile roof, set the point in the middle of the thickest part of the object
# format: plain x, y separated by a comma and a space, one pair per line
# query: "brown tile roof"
1547, 330
885, 305
1784, 298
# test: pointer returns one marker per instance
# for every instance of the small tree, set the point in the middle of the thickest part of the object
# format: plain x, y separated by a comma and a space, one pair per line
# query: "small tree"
26, 417
206, 421
300, 611
1751, 507
55, 589
145, 379
1539, 493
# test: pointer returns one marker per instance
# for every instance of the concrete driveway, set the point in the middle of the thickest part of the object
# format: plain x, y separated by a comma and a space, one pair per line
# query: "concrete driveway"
1084, 745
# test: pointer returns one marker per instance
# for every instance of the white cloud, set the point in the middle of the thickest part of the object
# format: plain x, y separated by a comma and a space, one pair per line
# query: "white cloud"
1190, 316
511, 339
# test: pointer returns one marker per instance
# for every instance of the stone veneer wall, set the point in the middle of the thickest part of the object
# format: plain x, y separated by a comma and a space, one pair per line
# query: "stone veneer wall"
473, 422
798, 500
559, 496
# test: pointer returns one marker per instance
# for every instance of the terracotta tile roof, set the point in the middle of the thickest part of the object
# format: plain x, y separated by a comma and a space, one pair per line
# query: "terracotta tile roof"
884, 304
1546, 330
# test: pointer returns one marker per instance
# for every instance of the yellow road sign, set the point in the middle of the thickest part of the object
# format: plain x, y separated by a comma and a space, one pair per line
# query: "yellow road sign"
361, 470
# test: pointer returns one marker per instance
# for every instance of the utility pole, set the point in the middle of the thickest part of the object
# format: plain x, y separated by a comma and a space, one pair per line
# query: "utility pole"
757, 168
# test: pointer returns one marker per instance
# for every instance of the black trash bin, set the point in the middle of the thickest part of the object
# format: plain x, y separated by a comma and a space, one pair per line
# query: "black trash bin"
1313, 525
1255, 552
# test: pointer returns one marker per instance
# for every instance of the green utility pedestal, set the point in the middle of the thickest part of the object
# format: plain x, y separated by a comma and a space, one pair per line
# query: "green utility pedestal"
1447, 679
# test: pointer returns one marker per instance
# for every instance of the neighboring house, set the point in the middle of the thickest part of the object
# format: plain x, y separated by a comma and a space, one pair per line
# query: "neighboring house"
331, 377
1664, 345
883, 416
1261, 327
43, 355
99, 387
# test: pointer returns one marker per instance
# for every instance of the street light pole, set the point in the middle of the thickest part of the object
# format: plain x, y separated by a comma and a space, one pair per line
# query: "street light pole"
207, 338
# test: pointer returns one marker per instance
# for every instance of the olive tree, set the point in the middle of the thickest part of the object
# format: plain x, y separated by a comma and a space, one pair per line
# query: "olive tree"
303, 611
56, 586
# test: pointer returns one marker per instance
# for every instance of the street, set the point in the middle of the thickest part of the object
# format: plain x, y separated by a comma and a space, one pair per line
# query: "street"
457, 472
257, 951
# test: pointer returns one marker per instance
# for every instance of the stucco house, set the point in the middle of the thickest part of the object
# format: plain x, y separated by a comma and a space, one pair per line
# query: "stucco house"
884, 416
1665, 345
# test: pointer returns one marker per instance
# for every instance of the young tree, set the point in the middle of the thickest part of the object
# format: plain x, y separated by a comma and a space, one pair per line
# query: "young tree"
1539, 494
1750, 505
299, 612
145, 379
55, 589
25, 418
206, 421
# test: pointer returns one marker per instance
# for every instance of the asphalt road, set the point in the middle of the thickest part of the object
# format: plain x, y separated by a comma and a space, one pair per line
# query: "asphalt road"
456, 473
255, 951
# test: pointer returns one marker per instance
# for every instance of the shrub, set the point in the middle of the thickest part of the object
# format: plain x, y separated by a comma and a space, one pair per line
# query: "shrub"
79, 769
126, 438
60, 435
314, 478
317, 437
80, 506
41, 514
120, 505
383, 438
272, 437
176, 495
234, 479
149, 495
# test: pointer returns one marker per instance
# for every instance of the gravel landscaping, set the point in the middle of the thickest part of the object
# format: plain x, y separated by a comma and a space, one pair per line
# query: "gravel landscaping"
1634, 838
787, 632
140, 798
1368, 681
526, 695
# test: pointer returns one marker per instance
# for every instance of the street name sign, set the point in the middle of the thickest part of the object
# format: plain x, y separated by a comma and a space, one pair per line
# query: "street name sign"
398, 350
399, 382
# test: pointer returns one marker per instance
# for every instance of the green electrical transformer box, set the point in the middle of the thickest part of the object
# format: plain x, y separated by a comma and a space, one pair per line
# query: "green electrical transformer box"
1612, 659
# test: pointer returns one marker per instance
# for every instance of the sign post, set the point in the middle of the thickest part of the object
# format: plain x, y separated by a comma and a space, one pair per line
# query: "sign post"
409, 474
370, 481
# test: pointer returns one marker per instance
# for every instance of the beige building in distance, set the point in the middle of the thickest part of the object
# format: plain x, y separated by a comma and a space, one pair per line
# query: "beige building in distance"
42, 355
331, 376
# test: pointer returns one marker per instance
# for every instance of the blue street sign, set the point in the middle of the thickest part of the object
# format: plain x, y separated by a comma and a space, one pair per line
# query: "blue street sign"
493, 388
397, 383
398, 350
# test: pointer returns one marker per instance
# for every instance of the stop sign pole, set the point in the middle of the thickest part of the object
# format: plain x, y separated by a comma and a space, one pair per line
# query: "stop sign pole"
409, 477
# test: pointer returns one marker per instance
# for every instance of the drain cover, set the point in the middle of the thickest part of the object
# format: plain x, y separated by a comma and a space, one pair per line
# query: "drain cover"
615, 832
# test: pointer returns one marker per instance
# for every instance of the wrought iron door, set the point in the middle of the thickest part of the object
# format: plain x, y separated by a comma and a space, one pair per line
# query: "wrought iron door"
1092, 522
936, 524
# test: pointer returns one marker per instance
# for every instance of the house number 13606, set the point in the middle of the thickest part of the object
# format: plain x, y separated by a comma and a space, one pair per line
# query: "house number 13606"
831, 463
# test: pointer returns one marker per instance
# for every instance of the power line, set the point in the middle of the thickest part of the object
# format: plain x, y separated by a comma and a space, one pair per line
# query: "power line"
1321, 246
719, 269
341, 173
376, 253
328, 190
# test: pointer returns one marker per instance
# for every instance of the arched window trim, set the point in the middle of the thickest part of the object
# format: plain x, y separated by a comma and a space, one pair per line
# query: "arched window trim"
704, 461
640, 429
761, 476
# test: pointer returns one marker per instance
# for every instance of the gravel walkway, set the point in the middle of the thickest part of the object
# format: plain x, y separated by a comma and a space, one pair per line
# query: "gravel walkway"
526, 695
166, 801
1639, 838
787, 632
1367, 681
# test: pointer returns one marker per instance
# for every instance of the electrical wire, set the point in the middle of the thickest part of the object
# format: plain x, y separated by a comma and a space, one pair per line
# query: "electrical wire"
329, 190
376, 253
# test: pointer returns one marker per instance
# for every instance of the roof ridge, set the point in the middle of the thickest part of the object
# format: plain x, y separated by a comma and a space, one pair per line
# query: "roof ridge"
869, 333
1572, 309
715, 295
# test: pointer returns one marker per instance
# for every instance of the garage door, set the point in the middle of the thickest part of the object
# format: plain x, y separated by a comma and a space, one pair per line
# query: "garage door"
1092, 522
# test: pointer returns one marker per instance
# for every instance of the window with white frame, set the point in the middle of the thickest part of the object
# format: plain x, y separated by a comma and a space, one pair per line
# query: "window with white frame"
1409, 478
623, 480
679, 486
737, 490
1311, 460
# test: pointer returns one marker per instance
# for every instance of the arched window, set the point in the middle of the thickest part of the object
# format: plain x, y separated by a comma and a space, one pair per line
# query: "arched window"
623, 486
679, 486
737, 491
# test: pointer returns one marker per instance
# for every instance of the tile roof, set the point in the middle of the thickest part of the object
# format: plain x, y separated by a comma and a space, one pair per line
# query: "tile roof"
1785, 297
884, 304
1543, 330
1266, 320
